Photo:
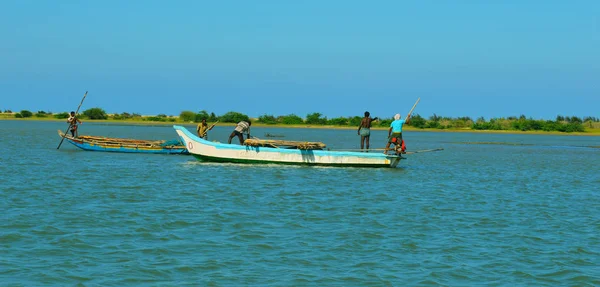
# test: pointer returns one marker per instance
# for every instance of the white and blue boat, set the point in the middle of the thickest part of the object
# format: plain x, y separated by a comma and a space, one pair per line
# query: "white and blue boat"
301, 153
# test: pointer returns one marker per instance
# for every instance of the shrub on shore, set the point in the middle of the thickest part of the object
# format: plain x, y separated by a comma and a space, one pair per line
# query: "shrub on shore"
25, 114
267, 120
42, 114
233, 117
290, 119
95, 114
63, 115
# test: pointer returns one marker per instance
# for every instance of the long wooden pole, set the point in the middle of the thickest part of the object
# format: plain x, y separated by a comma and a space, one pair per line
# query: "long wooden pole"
209, 128
70, 124
411, 110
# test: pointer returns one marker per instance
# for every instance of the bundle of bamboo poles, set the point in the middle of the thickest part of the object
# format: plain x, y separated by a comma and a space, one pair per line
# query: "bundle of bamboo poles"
120, 142
285, 144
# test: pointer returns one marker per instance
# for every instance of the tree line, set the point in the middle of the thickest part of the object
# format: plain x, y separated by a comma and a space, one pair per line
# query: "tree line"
521, 123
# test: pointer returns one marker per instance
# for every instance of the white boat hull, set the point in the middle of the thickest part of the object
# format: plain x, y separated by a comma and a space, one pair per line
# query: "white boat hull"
213, 151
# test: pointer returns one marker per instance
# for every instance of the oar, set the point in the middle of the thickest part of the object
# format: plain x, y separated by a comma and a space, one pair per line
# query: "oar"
425, 150
70, 124
213, 125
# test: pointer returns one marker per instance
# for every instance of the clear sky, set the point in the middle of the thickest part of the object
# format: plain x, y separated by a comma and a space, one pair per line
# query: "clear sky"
339, 58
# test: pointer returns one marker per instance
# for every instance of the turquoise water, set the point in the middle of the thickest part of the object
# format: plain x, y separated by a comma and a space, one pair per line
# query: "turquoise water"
525, 213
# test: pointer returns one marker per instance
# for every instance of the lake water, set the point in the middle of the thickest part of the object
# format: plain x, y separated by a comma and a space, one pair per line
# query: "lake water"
525, 213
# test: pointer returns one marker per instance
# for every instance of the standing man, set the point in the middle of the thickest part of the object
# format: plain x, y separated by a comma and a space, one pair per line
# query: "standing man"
395, 133
203, 129
241, 128
364, 130
73, 120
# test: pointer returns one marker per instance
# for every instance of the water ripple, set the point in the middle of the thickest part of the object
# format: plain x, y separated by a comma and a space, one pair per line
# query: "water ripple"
499, 215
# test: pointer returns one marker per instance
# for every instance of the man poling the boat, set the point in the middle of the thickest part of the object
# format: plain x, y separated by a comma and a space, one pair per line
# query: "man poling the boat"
395, 132
73, 115
73, 121
203, 129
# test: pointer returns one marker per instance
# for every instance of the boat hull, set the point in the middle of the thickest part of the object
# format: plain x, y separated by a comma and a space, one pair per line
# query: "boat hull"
219, 152
90, 145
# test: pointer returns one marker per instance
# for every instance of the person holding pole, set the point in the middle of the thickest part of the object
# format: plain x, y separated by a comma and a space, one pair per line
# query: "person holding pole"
203, 129
74, 115
395, 131
73, 120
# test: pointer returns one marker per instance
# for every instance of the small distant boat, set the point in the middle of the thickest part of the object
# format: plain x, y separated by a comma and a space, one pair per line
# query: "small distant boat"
281, 152
96, 143
269, 135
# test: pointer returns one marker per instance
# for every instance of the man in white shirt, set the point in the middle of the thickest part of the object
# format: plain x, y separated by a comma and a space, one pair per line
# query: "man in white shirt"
241, 128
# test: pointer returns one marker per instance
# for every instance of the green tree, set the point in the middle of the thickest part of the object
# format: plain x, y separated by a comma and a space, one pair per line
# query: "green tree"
551, 126
201, 115
315, 119
341, 121
417, 121
95, 114
267, 119
233, 117
574, 127
290, 119
433, 125
158, 118
385, 122
213, 117
355, 121
26, 113
62, 115
187, 116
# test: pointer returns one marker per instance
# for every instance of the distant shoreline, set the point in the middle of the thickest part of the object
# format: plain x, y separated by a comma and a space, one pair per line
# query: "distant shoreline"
589, 132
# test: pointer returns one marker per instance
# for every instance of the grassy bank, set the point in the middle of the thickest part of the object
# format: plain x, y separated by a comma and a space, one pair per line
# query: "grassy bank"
589, 131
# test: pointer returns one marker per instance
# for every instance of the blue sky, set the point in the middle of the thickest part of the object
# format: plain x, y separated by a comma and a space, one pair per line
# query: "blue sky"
339, 58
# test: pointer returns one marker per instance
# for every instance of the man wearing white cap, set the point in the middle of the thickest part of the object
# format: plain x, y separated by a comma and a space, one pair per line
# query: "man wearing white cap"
395, 132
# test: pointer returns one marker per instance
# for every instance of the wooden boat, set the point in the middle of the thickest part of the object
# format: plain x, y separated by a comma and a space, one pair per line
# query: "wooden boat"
96, 143
269, 135
281, 152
